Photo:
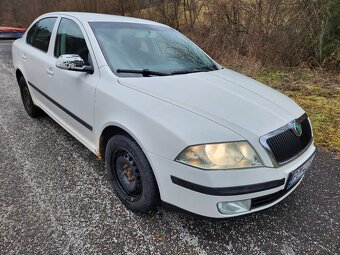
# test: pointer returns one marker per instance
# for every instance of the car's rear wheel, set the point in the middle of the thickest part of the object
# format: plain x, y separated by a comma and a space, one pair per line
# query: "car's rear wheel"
131, 175
30, 108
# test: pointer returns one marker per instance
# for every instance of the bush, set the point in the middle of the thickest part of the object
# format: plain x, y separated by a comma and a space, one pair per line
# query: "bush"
234, 32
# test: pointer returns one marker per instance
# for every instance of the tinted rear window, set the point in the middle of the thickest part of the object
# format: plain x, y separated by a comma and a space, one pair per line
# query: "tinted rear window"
40, 33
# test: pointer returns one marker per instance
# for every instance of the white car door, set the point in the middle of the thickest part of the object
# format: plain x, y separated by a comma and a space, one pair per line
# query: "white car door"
34, 55
72, 93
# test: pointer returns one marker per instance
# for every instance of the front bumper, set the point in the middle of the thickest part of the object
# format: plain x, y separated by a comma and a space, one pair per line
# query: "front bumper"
199, 191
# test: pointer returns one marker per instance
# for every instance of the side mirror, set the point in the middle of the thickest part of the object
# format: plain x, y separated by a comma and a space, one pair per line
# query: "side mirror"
73, 62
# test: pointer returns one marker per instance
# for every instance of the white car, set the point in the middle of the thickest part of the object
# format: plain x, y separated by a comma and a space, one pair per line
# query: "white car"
172, 125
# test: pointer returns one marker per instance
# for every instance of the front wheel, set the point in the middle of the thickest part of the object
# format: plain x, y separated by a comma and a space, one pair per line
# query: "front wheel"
131, 175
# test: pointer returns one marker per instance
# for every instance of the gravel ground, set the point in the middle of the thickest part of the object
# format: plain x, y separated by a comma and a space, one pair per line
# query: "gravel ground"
55, 199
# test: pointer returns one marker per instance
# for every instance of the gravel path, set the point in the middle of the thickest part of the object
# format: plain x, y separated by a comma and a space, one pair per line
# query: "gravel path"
55, 199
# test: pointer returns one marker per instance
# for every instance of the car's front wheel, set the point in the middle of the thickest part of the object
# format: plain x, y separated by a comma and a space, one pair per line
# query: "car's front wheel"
131, 174
30, 108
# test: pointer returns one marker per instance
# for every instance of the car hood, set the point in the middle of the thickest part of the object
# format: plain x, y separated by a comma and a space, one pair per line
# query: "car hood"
228, 98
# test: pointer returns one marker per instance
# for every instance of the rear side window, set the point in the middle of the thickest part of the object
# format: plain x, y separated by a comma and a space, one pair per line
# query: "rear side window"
70, 40
40, 33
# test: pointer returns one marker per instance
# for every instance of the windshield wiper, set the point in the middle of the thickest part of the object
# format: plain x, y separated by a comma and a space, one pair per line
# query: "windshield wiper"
144, 72
195, 70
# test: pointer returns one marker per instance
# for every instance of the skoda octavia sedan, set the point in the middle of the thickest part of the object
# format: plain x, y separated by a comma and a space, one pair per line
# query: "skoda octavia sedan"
172, 125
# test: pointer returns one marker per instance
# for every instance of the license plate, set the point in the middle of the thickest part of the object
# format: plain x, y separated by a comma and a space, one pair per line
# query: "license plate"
297, 174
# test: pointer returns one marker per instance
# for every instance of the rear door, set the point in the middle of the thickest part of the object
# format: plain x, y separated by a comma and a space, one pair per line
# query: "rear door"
34, 54
72, 93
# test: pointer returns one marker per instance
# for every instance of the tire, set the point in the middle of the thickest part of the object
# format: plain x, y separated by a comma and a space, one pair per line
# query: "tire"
131, 175
32, 110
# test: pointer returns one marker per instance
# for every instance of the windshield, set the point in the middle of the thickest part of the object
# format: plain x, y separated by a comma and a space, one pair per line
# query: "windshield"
133, 49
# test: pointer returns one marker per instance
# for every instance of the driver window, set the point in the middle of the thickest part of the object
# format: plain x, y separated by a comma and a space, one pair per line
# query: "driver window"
70, 40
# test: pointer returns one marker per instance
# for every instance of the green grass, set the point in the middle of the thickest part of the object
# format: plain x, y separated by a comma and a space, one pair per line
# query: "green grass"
318, 93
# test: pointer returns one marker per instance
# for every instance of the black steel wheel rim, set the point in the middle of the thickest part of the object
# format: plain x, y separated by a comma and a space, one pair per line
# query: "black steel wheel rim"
127, 175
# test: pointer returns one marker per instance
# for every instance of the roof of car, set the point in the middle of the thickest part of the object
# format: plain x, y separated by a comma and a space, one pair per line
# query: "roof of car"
90, 17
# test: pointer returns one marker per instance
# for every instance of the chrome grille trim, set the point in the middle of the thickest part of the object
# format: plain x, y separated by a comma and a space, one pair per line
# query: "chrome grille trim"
264, 138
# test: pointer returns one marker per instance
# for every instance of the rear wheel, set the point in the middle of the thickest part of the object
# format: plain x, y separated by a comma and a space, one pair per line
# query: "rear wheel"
30, 108
131, 174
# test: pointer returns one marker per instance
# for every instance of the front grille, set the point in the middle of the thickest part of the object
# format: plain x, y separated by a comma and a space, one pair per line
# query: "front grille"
286, 145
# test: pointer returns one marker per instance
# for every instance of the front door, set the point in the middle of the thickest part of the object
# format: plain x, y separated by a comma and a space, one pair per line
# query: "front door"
72, 92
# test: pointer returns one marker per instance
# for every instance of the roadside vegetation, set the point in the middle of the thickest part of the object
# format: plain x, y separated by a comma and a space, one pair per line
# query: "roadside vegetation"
318, 92
291, 45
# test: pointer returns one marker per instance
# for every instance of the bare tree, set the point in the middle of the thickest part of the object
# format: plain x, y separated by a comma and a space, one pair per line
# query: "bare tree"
282, 32
192, 10
169, 12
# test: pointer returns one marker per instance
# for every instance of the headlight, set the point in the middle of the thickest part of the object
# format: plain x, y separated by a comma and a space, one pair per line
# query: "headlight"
220, 156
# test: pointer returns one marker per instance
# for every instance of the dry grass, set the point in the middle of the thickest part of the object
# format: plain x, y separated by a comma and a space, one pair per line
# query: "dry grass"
316, 91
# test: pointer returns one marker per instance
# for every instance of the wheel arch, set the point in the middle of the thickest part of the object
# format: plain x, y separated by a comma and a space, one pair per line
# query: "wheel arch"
110, 131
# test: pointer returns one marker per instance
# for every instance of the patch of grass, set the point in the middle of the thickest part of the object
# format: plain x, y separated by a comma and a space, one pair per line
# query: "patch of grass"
318, 93
324, 114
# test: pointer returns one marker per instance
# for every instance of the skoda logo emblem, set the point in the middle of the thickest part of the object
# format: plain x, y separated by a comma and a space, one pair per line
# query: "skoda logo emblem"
297, 129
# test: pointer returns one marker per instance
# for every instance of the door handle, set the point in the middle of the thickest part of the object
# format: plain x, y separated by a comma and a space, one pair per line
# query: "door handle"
49, 71
23, 56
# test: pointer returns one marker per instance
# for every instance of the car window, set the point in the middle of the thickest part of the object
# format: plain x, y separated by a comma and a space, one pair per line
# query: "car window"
40, 33
70, 40
31, 33
134, 46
